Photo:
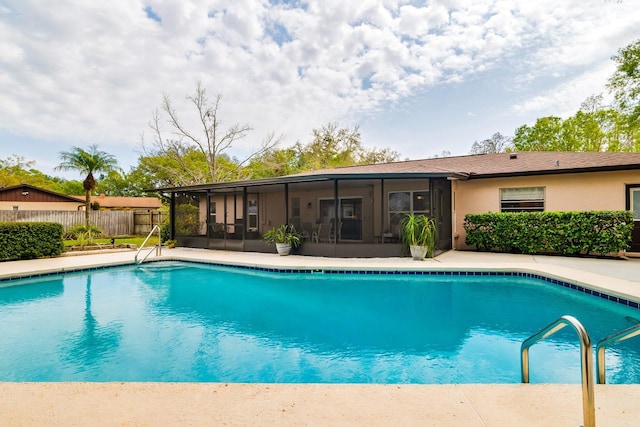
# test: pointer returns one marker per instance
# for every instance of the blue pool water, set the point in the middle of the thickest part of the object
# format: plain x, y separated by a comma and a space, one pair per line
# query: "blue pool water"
195, 322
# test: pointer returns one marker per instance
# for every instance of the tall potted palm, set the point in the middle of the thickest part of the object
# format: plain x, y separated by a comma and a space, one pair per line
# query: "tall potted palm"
285, 237
419, 232
87, 162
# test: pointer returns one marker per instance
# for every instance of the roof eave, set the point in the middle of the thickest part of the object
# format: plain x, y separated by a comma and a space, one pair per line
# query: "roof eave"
297, 179
612, 168
43, 190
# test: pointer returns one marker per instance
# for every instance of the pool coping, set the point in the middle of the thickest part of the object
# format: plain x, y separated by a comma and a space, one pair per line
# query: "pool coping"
616, 290
111, 404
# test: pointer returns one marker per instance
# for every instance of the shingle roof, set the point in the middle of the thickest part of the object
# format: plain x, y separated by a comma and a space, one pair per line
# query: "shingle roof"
486, 165
461, 167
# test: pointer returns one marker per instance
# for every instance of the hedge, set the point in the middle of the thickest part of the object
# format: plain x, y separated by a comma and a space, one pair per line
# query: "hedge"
27, 240
561, 233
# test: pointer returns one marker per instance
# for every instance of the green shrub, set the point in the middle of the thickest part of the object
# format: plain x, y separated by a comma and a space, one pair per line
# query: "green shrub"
187, 221
27, 240
81, 231
165, 232
562, 233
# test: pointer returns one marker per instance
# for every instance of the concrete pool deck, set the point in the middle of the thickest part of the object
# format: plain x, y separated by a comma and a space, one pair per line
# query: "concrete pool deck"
195, 404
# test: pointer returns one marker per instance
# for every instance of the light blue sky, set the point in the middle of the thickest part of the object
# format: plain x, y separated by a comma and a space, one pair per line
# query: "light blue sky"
420, 77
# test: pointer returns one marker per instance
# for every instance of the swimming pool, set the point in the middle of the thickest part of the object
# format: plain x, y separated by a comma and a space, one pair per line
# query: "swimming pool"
169, 321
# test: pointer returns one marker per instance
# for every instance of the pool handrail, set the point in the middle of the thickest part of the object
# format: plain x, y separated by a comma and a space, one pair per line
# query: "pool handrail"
157, 247
586, 353
622, 335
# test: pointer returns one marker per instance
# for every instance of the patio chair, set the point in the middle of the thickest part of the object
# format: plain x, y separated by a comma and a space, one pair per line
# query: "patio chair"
335, 232
324, 233
295, 221
306, 230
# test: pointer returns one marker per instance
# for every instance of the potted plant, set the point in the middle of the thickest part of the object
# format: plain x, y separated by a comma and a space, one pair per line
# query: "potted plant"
420, 233
285, 237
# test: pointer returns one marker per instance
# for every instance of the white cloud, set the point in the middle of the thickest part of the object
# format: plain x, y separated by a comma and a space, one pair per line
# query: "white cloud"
564, 99
87, 71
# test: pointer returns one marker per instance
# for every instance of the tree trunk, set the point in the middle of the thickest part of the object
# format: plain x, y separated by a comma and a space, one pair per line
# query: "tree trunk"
89, 184
87, 207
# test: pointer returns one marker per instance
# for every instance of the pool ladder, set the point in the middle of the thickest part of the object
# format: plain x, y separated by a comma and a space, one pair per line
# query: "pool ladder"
586, 356
158, 247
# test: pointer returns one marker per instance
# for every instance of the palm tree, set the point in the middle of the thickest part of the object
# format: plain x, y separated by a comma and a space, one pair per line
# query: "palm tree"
87, 162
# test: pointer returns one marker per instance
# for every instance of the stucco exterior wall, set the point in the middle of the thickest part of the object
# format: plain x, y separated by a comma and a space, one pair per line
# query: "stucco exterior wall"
565, 192
271, 210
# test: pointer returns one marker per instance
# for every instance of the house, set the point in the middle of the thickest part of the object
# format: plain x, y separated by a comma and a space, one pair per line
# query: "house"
117, 215
369, 201
25, 197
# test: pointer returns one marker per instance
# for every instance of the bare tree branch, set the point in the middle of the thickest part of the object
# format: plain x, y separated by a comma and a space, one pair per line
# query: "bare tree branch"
208, 139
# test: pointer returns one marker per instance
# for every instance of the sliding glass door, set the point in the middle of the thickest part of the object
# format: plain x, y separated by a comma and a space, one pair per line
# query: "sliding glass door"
350, 217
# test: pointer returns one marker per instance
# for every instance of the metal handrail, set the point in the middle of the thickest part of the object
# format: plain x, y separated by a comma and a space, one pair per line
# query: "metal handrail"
588, 406
625, 334
157, 247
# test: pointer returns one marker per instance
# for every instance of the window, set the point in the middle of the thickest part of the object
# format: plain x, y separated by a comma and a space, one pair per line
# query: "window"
526, 199
295, 208
15, 208
635, 203
402, 202
253, 214
349, 208
212, 211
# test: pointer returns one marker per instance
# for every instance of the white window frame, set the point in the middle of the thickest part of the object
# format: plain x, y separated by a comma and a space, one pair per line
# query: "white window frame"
340, 207
635, 192
213, 212
523, 199
252, 212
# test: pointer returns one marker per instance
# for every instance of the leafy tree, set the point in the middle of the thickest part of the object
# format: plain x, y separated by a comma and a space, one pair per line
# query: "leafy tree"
12, 170
87, 162
275, 162
376, 156
333, 147
16, 170
498, 143
593, 128
544, 135
119, 183
193, 156
175, 169
625, 81
330, 147
71, 187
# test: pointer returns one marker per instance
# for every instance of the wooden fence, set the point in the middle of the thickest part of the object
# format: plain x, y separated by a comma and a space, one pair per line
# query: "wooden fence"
143, 221
112, 223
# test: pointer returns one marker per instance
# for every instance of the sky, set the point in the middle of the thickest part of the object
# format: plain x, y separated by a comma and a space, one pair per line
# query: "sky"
419, 77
